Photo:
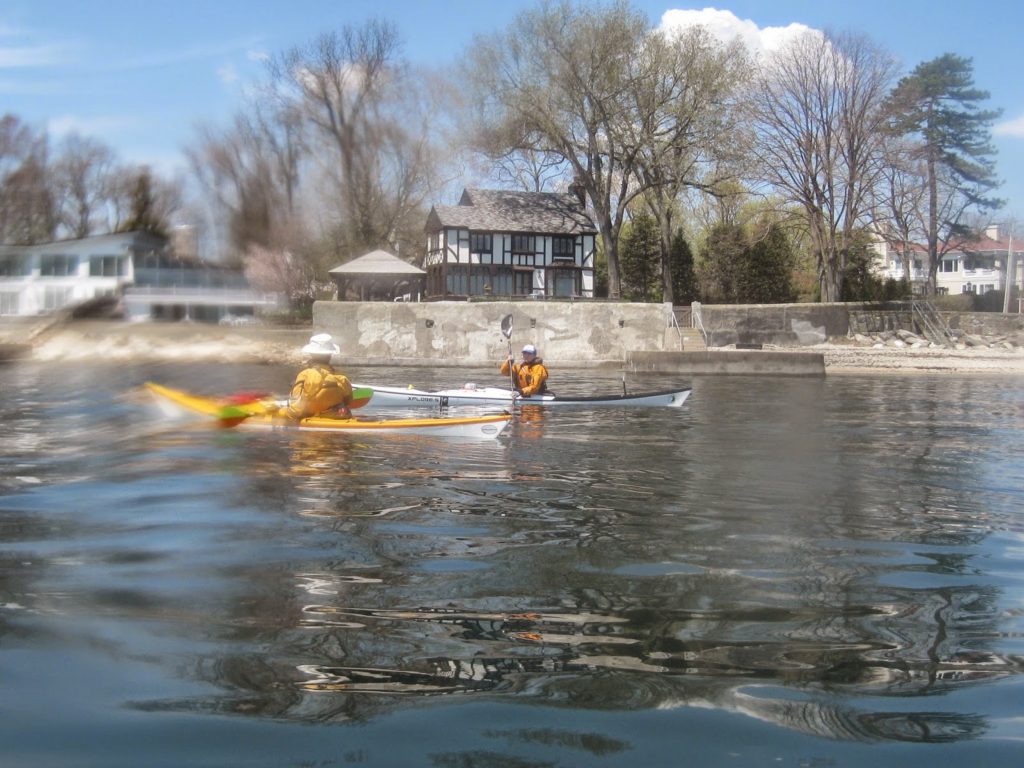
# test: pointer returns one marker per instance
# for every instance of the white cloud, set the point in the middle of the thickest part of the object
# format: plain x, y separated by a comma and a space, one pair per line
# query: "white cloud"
1012, 128
228, 74
260, 56
12, 57
726, 26
99, 127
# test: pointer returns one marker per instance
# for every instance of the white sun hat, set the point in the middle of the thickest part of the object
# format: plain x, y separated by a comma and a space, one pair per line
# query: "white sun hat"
529, 349
321, 344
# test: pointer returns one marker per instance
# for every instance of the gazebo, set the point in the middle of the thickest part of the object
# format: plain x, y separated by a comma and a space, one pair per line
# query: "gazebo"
378, 276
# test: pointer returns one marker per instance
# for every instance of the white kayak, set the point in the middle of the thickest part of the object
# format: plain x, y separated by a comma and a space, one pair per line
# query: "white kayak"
397, 397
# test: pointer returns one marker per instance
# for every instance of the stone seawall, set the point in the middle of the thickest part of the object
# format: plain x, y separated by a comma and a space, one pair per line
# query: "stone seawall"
729, 362
579, 334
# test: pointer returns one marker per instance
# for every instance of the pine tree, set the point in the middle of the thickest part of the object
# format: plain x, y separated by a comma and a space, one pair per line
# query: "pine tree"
144, 216
640, 258
684, 280
766, 276
722, 261
938, 105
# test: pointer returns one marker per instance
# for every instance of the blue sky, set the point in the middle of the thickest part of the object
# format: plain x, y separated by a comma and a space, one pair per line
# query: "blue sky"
140, 76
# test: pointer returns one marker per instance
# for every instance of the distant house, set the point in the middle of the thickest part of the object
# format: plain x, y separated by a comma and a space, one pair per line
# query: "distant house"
973, 266
502, 243
137, 269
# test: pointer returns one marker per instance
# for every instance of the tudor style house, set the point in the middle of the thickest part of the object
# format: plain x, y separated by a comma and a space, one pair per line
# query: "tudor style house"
976, 266
504, 243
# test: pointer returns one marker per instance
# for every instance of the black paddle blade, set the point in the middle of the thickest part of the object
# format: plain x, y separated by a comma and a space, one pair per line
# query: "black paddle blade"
506, 326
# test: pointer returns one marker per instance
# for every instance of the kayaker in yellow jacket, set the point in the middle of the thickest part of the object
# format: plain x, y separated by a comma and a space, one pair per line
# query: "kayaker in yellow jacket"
530, 376
319, 390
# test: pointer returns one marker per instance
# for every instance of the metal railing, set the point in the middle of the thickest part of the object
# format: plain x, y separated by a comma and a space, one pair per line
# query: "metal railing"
673, 322
698, 321
932, 325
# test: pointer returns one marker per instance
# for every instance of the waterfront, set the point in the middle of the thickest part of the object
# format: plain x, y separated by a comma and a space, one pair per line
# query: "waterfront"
821, 571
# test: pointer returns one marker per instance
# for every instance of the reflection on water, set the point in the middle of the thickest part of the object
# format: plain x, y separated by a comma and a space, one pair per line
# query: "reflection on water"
839, 559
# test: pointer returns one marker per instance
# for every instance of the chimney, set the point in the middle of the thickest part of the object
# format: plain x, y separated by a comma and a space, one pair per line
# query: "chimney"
577, 189
992, 231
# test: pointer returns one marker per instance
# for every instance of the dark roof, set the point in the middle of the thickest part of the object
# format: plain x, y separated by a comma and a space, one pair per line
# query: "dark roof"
493, 210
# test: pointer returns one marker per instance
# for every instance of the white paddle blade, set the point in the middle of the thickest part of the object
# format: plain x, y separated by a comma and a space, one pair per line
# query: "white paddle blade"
506, 326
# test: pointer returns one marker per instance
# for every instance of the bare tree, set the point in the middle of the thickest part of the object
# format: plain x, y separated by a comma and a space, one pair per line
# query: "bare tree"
351, 87
252, 168
696, 136
83, 172
818, 112
562, 81
28, 211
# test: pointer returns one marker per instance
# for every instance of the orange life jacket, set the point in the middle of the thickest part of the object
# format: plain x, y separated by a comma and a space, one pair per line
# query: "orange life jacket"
531, 378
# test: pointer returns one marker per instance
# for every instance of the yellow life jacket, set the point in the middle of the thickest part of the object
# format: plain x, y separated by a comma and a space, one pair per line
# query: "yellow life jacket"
317, 389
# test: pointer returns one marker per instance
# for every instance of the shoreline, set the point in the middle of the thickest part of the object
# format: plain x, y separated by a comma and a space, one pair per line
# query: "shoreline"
116, 343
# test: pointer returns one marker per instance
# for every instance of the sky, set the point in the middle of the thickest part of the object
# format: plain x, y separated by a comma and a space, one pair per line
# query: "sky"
142, 76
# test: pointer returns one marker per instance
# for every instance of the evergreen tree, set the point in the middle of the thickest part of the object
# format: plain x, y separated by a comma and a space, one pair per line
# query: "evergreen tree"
640, 258
684, 280
938, 105
722, 260
144, 216
766, 274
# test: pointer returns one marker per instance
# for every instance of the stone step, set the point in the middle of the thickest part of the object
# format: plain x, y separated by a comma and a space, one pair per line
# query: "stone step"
692, 340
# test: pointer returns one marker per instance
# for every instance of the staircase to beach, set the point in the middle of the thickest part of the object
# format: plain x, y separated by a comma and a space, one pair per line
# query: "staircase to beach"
689, 338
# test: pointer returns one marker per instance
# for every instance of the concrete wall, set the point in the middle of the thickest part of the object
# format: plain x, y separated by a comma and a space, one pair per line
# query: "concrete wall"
730, 362
985, 323
796, 325
777, 324
580, 334
591, 334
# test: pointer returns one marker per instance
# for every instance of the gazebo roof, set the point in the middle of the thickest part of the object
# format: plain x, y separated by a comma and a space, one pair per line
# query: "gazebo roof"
376, 263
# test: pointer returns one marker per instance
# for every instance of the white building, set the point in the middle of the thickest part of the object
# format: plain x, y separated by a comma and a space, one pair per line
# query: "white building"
976, 266
136, 268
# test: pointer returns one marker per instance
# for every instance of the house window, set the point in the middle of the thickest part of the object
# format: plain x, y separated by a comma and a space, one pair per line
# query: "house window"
13, 266
106, 266
949, 265
563, 249
563, 282
458, 281
8, 303
524, 245
521, 282
480, 244
54, 298
58, 265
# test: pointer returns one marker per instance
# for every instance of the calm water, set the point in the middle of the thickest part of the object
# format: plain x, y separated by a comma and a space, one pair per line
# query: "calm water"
784, 572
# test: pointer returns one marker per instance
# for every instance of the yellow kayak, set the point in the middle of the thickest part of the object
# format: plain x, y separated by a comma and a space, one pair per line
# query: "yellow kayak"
175, 403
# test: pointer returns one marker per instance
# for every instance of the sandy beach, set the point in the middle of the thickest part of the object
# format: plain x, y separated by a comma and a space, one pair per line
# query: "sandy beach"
116, 342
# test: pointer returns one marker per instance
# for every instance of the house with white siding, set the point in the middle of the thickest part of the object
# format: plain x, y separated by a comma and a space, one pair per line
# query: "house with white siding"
978, 265
511, 244
140, 270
